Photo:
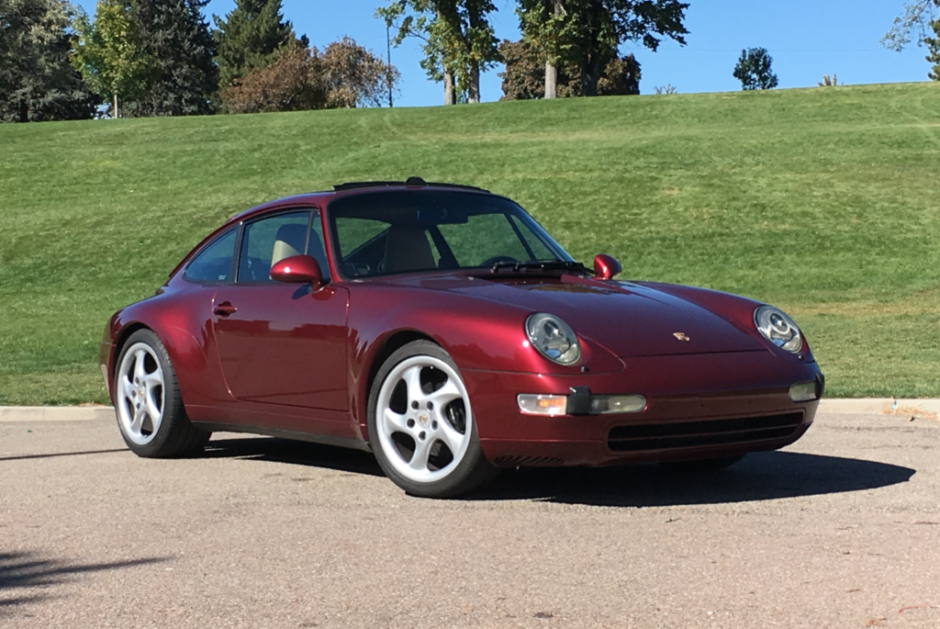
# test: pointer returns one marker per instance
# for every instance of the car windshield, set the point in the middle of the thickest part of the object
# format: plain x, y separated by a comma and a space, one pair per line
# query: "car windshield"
406, 231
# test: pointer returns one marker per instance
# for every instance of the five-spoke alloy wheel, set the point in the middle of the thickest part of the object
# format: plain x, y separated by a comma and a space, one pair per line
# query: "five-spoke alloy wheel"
148, 404
421, 424
141, 394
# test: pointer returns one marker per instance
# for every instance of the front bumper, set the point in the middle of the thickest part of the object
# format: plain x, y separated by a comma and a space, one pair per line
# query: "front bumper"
698, 406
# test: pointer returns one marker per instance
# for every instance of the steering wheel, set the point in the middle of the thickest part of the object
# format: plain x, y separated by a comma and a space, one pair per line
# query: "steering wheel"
496, 260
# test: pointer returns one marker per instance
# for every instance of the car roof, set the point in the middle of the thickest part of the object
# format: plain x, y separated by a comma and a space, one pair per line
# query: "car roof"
350, 188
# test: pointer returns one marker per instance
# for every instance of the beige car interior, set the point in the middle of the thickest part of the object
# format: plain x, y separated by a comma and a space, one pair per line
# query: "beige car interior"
290, 241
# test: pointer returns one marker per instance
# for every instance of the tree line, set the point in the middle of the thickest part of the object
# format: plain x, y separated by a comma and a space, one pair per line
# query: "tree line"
568, 47
162, 57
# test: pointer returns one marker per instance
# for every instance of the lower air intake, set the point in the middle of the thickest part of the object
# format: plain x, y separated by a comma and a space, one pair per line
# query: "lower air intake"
714, 432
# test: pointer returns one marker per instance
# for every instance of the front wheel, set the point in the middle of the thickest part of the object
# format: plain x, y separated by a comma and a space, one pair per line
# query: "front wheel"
421, 424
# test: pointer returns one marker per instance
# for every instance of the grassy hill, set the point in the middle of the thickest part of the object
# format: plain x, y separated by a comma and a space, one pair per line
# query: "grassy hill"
823, 201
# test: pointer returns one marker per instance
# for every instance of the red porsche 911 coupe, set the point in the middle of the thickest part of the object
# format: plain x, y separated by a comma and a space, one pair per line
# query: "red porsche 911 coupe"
440, 327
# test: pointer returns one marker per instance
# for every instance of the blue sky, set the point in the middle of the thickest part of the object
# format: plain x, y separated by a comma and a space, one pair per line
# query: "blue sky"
806, 38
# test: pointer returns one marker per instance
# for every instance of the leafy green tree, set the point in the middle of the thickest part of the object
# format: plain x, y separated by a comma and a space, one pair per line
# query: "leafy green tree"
933, 50
459, 41
753, 70
525, 74
249, 37
589, 32
109, 53
184, 76
917, 20
37, 82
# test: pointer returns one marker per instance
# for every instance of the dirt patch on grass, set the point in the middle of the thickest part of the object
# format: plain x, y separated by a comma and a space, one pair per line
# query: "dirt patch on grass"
911, 412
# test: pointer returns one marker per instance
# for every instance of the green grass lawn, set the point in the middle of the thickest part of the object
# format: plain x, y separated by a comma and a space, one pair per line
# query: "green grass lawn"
824, 201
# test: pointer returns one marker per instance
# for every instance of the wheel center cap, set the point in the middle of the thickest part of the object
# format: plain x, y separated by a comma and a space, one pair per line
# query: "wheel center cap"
422, 419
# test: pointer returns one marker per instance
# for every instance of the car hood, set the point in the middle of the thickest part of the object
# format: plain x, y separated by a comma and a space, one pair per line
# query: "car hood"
630, 320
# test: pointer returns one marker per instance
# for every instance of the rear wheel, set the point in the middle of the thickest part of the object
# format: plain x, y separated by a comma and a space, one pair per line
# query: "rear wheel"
148, 403
421, 424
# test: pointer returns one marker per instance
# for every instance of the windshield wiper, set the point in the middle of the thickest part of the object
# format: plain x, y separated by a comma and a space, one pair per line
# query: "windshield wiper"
541, 265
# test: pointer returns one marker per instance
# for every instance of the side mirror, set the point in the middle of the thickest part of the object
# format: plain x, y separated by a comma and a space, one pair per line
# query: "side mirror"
296, 269
606, 266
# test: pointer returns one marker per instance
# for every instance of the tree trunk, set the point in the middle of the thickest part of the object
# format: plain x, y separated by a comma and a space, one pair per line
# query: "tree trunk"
473, 91
551, 70
590, 75
551, 80
450, 96
24, 110
116, 114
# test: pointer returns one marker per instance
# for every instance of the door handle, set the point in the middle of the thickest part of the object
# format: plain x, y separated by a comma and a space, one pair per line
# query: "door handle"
225, 309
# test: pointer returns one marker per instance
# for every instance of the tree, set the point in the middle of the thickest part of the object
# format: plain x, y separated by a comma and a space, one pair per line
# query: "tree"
753, 70
37, 82
459, 42
933, 51
525, 73
918, 19
249, 37
523, 77
291, 83
353, 76
184, 76
589, 32
108, 52
344, 75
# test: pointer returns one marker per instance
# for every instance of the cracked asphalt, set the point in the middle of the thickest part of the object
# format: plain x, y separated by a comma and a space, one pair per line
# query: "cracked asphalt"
842, 529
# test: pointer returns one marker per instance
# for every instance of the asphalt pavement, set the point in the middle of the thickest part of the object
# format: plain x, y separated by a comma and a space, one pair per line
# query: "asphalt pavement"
841, 529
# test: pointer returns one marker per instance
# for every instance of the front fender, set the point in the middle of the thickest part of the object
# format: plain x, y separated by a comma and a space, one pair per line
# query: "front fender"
478, 334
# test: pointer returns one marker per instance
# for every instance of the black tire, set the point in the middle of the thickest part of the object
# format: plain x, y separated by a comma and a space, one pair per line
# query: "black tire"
702, 466
456, 478
174, 436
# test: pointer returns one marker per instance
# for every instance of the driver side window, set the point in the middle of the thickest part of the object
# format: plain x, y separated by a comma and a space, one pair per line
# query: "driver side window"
269, 240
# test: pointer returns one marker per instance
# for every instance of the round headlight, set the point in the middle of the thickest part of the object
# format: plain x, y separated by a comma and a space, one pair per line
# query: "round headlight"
553, 338
778, 328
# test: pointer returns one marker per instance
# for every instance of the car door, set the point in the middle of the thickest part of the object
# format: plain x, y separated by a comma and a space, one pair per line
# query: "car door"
279, 343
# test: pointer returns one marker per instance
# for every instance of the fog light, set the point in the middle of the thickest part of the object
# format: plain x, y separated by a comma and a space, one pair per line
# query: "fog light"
803, 391
604, 404
537, 404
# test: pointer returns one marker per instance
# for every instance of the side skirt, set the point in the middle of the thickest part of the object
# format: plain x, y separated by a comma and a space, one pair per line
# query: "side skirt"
327, 440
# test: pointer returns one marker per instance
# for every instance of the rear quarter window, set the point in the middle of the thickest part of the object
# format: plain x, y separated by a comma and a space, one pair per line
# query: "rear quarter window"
214, 262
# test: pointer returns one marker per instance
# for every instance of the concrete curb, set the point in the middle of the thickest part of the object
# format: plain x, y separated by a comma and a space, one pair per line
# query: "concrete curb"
55, 413
914, 407
928, 408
